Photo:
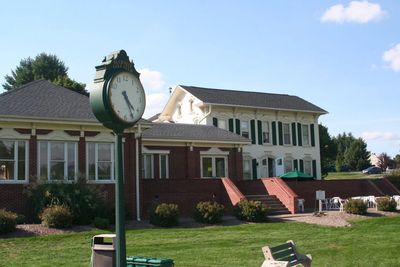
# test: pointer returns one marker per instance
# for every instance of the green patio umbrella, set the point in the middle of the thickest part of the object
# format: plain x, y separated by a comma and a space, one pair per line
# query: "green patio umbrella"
297, 175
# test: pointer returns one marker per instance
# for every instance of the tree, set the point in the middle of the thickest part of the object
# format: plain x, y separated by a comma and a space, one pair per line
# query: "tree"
342, 142
357, 156
396, 160
328, 150
352, 153
43, 66
384, 161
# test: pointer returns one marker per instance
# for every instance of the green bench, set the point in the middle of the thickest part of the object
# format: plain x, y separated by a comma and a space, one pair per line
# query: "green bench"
285, 255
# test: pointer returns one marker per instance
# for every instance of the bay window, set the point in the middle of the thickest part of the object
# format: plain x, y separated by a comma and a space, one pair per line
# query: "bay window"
13, 160
148, 166
163, 162
213, 166
100, 161
57, 160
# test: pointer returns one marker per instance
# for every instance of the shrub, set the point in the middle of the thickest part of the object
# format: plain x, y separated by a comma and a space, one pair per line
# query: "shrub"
84, 201
56, 216
386, 204
101, 223
356, 206
209, 212
251, 211
165, 215
8, 221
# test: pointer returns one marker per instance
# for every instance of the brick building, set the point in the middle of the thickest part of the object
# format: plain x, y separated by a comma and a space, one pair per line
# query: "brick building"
48, 131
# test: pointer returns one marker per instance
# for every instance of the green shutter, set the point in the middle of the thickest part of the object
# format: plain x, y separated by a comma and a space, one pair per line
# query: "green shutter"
254, 165
299, 134
295, 165
253, 131
237, 122
301, 165
312, 134
314, 168
259, 130
274, 133
230, 122
215, 122
294, 133
280, 131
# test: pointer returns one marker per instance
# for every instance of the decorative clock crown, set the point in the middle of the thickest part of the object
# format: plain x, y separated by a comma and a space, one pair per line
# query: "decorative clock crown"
114, 62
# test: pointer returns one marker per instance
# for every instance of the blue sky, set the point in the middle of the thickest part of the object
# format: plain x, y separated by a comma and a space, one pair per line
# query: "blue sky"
340, 55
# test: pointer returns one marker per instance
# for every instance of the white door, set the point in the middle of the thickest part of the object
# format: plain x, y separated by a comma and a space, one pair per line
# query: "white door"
280, 170
264, 168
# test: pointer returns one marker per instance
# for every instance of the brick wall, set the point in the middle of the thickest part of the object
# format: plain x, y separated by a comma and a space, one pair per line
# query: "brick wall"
184, 192
332, 188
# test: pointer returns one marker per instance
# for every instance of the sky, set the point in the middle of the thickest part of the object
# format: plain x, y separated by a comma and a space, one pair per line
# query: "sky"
343, 56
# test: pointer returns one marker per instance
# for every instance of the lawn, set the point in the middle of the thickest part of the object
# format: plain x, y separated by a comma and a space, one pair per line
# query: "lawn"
372, 242
351, 175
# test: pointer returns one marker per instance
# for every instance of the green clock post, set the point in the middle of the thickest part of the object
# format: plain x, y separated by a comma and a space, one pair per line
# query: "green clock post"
118, 101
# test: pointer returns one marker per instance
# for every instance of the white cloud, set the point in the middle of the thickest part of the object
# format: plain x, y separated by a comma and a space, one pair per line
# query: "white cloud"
152, 80
155, 103
392, 56
356, 11
384, 136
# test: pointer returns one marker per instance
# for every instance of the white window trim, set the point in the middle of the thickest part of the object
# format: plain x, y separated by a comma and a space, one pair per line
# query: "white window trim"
290, 134
15, 180
166, 165
263, 123
151, 168
65, 143
213, 165
302, 135
251, 169
96, 161
214, 152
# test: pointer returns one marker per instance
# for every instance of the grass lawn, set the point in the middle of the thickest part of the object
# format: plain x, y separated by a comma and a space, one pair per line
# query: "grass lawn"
351, 175
371, 242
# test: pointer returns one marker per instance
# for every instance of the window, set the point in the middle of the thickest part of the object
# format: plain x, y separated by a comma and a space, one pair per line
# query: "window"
222, 124
305, 135
13, 160
286, 134
148, 166
247, 169
100, 161
265, 133
164, 170
288, 165
213, 166
58, 160
307, 167
244, 128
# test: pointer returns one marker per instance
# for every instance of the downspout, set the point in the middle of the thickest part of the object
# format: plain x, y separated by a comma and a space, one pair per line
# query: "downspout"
137, 174
206, 115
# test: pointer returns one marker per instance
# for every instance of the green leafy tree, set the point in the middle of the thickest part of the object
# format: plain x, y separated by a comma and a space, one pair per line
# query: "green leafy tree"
357, 155
328, 150
396, 160
342, 142
43, 66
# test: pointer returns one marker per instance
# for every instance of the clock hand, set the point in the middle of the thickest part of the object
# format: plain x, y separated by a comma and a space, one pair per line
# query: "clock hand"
131, 108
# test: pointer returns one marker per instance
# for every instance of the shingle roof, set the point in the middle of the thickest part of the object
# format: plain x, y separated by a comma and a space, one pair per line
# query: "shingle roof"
178, 131
252, 99
42, 99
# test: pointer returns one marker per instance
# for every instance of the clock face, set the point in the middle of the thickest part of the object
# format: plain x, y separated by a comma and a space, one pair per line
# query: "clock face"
127, 97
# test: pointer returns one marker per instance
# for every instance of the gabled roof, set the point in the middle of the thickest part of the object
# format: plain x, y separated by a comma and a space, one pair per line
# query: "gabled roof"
193, 132
44, 100
252, 99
